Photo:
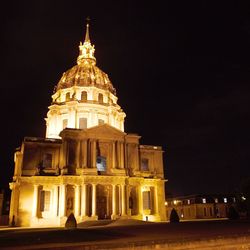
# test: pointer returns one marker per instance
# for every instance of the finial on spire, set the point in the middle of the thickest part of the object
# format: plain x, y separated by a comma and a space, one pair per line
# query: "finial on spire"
86, 49
87, 39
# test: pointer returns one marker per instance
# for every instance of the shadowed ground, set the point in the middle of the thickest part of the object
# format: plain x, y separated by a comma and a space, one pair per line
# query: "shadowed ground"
119, 233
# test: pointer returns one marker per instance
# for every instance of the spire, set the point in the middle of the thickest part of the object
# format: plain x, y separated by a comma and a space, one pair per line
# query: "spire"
87, 39
86, 50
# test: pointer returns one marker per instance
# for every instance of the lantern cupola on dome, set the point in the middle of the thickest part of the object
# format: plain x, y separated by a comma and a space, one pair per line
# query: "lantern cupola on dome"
84, 96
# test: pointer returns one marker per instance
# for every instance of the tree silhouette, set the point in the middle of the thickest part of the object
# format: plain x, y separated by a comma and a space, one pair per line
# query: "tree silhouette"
232, 213
174, 217
71, 222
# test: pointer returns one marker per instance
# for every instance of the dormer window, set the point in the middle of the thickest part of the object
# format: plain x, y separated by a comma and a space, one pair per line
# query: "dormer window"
100, 98
67, 97
84, 96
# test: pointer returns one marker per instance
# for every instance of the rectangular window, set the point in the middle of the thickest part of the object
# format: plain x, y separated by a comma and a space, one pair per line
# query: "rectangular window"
47, 160
203, 200
101, 163
65, 123
44, 201
82, 123
144, 164
146, 200
100, 121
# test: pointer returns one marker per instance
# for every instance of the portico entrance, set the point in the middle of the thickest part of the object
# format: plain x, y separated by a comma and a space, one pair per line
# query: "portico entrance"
103, 202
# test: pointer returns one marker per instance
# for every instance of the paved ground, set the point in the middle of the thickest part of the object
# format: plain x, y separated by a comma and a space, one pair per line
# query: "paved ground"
120, 233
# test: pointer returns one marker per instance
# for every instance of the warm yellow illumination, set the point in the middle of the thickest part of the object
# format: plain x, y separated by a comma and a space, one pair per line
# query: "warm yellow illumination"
87, 50
68, 106
55, 178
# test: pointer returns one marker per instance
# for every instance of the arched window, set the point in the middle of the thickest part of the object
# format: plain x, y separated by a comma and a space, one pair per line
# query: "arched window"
100, 98
67, 98
84, 96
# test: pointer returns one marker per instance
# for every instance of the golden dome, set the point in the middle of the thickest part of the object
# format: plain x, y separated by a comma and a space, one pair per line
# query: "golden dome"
86, 73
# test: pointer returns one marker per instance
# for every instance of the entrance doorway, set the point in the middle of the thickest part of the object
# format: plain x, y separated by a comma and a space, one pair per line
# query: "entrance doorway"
103, 202
101, 207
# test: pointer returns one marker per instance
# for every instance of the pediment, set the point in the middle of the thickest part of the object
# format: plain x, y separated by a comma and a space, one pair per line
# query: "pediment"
104, 130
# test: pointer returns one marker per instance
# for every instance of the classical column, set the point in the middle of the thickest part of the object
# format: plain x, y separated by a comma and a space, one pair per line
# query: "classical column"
72, 118
122, 155
114, 200
156, 210
84, 154
62, 200
14, 203
77, 159
77, 200
55, 199
118, 154
83, 200
35, 201
140, 204
123, 200
93, 153
113, 155
18, 164
93, 200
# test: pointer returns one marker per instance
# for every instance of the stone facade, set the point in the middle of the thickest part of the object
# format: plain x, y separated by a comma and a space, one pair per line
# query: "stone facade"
88, 167
194, 207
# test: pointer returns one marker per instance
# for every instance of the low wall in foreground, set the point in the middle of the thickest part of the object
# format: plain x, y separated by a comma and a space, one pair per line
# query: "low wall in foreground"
232, 243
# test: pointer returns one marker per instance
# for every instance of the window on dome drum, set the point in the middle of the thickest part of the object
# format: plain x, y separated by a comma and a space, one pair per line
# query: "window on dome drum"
101, 163
45, 200
100, 98
144, 164
146, 200
65, 123
83, 123
47, 160
100, 121
67, 97
84, 96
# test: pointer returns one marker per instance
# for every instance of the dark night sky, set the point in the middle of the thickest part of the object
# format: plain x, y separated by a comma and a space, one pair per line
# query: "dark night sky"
182, 74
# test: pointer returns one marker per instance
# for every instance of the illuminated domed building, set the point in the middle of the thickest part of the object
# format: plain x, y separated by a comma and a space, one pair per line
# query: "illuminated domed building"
87, 165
